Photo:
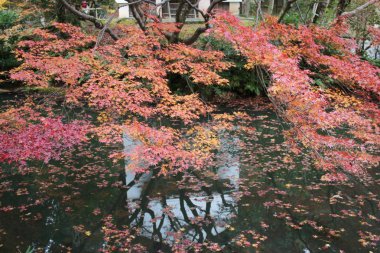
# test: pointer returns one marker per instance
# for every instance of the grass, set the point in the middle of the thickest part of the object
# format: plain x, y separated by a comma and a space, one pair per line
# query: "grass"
189, 28
125, 21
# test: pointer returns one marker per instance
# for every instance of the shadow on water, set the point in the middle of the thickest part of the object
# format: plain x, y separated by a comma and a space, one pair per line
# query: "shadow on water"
259, 196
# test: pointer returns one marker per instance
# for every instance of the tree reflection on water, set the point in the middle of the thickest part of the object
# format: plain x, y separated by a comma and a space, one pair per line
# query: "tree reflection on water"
258, 196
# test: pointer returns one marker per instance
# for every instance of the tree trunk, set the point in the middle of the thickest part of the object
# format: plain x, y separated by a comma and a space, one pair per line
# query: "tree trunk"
342, 5
284, 3
320, 10
247, 8
271, 7
60, 11
258, 12
285, 9
314, 11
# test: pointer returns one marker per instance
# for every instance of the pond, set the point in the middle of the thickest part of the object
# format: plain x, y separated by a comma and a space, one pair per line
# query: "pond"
259, 197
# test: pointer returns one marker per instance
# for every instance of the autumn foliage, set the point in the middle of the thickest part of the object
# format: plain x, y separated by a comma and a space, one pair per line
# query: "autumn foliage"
316, 82
27, 134
323, 118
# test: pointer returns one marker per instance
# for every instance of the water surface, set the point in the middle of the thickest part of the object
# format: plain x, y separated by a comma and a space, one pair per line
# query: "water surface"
260, 196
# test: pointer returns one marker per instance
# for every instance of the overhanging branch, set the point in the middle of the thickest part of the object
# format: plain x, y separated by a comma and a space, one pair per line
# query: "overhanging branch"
359, 9
84, 16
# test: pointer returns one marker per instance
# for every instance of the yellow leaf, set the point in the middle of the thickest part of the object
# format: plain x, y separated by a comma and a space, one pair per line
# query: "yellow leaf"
2, 4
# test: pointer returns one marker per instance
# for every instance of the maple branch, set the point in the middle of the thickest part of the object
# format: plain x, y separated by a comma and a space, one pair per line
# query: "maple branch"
200, 30
194, 6
212, 5
359, 9
101, 34
156, 4
138, 17
195, 35
93, 19
286, 10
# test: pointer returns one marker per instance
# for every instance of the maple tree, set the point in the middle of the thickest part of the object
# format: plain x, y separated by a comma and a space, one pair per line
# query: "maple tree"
134, 85
316, 113
129, 78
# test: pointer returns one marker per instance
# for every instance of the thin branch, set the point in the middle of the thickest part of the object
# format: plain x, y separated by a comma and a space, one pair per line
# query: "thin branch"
101, 34
300, 13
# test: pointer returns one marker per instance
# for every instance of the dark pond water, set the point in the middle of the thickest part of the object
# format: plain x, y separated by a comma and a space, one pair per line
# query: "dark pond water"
260, 198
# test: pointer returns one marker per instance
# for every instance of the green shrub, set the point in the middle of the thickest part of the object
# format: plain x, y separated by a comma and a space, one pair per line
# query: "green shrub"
242, 81
8, 60
7, 19
292, 18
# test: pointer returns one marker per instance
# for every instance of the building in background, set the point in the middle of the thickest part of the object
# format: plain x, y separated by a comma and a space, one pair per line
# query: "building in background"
168, 10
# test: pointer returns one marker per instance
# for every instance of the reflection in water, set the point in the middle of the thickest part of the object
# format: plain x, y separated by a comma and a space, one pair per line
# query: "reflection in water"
135, 191
161, 218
